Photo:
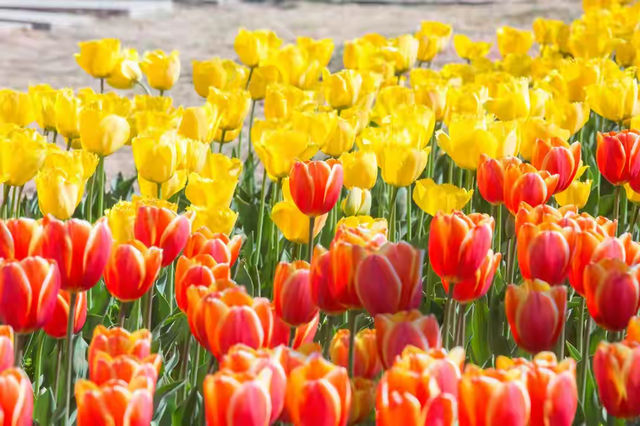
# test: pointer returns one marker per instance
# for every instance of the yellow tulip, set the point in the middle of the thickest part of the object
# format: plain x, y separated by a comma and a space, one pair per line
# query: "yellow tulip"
539, 99
99, 57
357, 202
434, 96
162, 70
615, 100
468, 49
536, 127
232, 106
511, 100
378, 225
203, 191
318, 125
101, 133
428, 47
262, 78
388, 99
552, 32
110, 102
568, 115
405, 52
319, 50
121, 218
22, 153
591, 40
294, 224
576, 194
433, 198
513, 40
219, 166
153, 103
625, 53
155, 156
360, 169
200, 123
167, 189
16, 107
152, 121
223, 74
252, 47
341, 137
282, 99
517, 64
468, 99
296, 66
195, 157
127, 71
470, 136
401, 165
342, 89
410, 125
217, 219
432, 37
43, 101
76, 162
59, 192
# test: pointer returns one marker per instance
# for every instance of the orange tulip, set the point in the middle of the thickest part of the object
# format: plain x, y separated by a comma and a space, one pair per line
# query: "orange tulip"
366, 362
162, 228
421, 388
6, 347
612, 292
390, 279
536, 314
617, 157
292, 293
115, 402
490, 176
459, 244
16, 236
551, 386
217, 245
542, 213
16, 398
200, 270
316, 185
124, 367
219, 320
318, 393
473, 288
525, 183
592, 245
303, 335
28, 290
395, 332
633, 330
333, 271
616, 367
132, 269
363, 399
80, 250
493, 397
56, 325
557, 157
117, 341
544, 251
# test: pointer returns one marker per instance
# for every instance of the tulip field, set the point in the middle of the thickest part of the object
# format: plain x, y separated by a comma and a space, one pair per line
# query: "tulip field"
384, 241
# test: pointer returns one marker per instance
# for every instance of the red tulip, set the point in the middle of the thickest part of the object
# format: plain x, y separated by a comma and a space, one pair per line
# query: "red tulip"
162, 228
17, 236
200, 270
390, 279
490, 176
536, 314
132, 269
408, 328
557, 157
6, 347
117, 341
28, 290
612, 292
56, 325
477, 286
16, 398
366, 362
633, 330
617, 156
544, 252
80, 250
292, 293
590, 247
303, 335
616, 368
459, 244
217, 245
124, 367
525, 183
316, 185
543, 213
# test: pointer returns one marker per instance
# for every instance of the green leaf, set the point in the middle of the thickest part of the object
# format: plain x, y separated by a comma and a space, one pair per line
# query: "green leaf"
574, 352
479, 322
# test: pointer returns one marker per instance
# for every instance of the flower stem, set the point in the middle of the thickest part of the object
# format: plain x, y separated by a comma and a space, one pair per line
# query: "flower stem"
616, 205
312, 220
69, 375
101, 187
149, 308
446, 324
353, 327
122, 315
392, 213
409, 202
102, 85
261, 217
186, 348
586, 355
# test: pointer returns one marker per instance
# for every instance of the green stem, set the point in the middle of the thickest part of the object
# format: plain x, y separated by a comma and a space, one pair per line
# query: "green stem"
102, 85
159, 190
56, 384
196, 365
5, 199
246, 86
261, 217
144, 87
616, 205
251, 114
222, 135
353, 327
149, 308
101, 187
461, 326
634, 217
38, 373
55, 137
69, 376
69, 140
586, 356
161, 92
18, 204
409, 202
122, 315
561, 339
14, 195
446, 324
432, 157
312, 221
392, 213
186, 348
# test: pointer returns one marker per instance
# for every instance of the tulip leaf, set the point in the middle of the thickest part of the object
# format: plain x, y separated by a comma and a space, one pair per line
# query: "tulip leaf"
80, 363
573, 351
42, 407
479, 322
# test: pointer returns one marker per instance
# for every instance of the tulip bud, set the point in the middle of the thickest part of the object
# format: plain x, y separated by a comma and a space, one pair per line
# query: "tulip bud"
315, 186
544, 251
219, 246
292, 293
360, 169
98, 57
200, 270
363, 399
614, 367
524, 183
116, 342
102, 133
56, 325
16, 399
557, 157
162, 228
162, 70
253, 47
366, 363
358, 202
616, 156
58, 193
131, 270
17, 237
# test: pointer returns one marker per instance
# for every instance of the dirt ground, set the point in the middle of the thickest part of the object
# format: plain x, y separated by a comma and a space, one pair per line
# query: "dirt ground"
199, 32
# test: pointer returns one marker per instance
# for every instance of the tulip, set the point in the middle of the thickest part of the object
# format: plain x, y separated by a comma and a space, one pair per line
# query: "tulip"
303, 335
292, 293
342, 89
490, 176
210, 192
318, 386
524, 183
459, 244
219, 320
615, 99
511, 100
80, 250
317, 50
17, 237
512, 40
131, 270
296, 66
366, 363
22, 154
155, 156
281, 100
262, 78
162, 228
360, 169
401, 165
233, 107
6, 347
219, 166
279, 149
615, 365
421, 388
223, 74
117, 341
341, 136
396, 331
199, 270
568, 115
56, 325
43, 99
315, 186
612, 292
253, 47
199, 123
433, 198
432, 38
126, 73
475, 287
115, 402
633, 330
165, 190
162, 70
222, 248
357, 202
557, 157
217, 219
363, 399
98, 58
544, 252
101, 133
16, 107
16, 398
58, 193
468, 49
591, 246
577, 194
534, 128
432, 94
126, 368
